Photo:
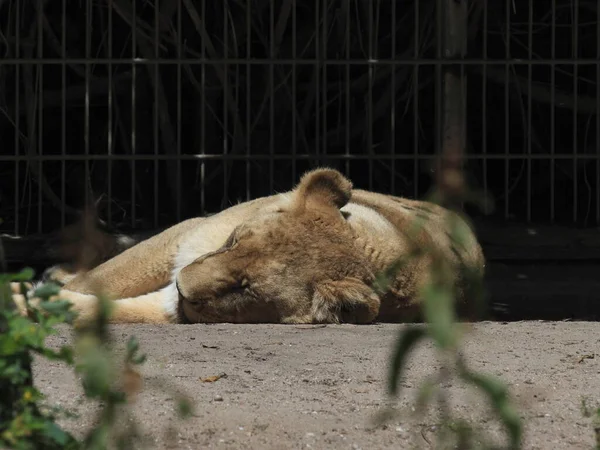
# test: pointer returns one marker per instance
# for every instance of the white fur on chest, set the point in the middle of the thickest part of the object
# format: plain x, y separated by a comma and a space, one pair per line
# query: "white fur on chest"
205, 239
208, 237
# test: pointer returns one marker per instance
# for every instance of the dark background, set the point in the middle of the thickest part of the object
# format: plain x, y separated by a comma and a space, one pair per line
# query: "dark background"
248, 95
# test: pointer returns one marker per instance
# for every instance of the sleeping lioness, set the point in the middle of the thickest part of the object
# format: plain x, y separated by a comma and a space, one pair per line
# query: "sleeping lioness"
306, 256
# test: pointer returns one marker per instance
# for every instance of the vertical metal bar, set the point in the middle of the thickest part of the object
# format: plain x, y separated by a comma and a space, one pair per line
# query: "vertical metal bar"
179, 115
417, 160
203, 121
463, 103
552, 109
529, 105
370, 96
133, 103
110, 110
63, 124
88, 55
294, 92
17, 114
40, 95
271, 96
225, 95
318, 82
575, 30
248, 96
348, 54
484, 98
598, 116
156, 78
393, 106
507, 114
438, 78
324, 90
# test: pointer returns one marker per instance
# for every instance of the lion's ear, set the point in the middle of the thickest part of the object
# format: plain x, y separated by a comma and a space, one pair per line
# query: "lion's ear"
323, 187
348, 300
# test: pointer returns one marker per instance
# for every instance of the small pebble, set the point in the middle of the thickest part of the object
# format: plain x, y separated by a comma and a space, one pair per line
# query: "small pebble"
218, 398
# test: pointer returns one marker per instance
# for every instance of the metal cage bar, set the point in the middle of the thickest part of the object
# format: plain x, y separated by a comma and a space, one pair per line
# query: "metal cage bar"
203, 60
39, 100
254, 97
598, 116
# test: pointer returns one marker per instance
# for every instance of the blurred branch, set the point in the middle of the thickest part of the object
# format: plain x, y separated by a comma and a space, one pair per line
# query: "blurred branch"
542, 93
450, 178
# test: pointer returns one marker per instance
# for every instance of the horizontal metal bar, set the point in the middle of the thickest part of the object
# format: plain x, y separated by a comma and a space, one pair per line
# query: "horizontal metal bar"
311, 61
262, 157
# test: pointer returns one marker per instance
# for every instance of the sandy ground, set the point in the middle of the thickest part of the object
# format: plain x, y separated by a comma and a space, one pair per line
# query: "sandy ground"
320, 387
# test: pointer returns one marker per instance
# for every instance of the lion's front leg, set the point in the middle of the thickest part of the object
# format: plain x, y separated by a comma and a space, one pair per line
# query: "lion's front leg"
146, 308
139, 270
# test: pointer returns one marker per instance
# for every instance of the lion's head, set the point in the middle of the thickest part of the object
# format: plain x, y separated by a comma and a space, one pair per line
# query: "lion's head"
297, 263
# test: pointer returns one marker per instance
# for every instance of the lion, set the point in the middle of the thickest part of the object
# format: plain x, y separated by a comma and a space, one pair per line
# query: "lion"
310, 255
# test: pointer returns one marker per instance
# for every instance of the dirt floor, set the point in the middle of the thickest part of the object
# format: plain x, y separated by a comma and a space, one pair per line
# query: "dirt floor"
320, 387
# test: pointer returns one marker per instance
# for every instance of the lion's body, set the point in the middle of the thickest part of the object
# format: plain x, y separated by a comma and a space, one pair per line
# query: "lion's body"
306, 256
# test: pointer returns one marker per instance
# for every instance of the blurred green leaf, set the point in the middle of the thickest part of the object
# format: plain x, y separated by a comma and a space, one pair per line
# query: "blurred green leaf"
64, 354
24, 275
140, 359
56, 306
438, 309
184, 408
497, 391
94, 366
407, 340
132, 346
56, 434
47, 290
424, 394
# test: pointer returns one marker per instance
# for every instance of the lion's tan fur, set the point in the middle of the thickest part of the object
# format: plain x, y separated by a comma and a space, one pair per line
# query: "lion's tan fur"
306, 256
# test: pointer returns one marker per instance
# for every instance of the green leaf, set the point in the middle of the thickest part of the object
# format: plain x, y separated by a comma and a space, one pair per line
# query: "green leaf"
424, 394
459, 231
184, 408
64, 354
95, 367
47, 290
56, 307
499, 399
140, 359
24, 275
132, 346
57, 434
438, 310
405, 343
